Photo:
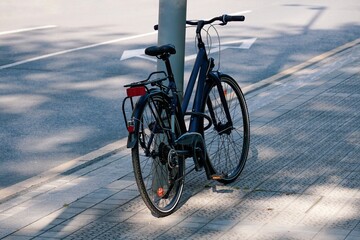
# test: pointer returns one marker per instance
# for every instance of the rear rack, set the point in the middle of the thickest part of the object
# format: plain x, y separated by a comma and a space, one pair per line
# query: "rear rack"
149, 80
137, 89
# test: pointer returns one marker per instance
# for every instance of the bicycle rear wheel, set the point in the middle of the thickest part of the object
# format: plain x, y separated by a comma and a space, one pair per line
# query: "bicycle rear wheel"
227, 147
159, 173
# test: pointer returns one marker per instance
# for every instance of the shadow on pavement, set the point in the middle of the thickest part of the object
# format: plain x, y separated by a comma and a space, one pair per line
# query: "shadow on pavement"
303, 168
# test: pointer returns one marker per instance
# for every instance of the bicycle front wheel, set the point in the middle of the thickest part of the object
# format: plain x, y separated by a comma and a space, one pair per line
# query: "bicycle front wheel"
159, 173
227, 145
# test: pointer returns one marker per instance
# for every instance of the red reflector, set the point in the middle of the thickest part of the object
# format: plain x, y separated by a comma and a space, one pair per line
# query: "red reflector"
136, 91
131, 129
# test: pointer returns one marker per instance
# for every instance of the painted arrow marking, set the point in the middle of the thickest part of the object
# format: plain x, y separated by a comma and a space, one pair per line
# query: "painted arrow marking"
127, 54
139, 53
245, 44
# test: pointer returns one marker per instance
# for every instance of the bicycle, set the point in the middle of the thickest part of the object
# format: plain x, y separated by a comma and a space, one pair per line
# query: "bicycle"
217, 137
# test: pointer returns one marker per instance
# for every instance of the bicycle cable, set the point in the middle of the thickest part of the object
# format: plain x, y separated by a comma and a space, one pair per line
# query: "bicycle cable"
210, 42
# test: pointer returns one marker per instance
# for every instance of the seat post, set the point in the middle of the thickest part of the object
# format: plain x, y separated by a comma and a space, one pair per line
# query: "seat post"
166, 59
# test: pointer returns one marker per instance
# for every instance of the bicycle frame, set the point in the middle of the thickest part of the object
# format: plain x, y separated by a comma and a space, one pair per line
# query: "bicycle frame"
201, 65
206, 78
202, 72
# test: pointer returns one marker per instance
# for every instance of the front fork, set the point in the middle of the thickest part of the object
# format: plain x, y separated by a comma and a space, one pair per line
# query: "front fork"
219, 126
214, 78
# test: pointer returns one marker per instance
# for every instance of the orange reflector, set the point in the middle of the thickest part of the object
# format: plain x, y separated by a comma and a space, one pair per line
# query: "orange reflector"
136, 91
160, 192
216, 177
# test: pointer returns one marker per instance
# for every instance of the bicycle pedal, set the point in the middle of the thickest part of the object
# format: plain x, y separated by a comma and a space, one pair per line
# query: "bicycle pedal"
217, 177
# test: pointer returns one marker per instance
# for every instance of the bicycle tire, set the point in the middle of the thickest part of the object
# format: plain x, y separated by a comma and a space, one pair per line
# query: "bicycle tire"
151, 169
227, 151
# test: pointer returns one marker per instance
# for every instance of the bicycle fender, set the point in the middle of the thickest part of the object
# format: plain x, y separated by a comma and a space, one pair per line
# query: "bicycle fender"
220, 75
133, 137
214, 77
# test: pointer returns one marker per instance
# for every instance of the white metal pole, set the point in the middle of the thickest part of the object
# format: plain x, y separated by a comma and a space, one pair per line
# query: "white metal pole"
172, 21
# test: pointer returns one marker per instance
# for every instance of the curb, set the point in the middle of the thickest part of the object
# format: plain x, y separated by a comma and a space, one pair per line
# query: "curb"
63, 169
290, 71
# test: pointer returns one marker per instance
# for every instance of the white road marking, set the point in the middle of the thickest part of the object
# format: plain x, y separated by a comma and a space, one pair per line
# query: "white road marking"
240, 13
80, 48
28, 29
139, 53
74, 50
136, 53
245, 44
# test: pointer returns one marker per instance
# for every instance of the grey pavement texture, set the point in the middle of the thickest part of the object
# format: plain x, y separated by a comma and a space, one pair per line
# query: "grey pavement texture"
301, 181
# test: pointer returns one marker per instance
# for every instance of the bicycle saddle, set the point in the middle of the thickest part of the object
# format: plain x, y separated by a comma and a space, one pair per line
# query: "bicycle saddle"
158, 51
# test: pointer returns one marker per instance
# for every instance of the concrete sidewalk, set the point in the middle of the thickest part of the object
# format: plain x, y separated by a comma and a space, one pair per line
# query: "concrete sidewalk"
301, 181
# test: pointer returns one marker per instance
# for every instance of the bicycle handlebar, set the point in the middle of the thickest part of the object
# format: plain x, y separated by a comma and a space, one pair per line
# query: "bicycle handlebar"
201, 23
224, 19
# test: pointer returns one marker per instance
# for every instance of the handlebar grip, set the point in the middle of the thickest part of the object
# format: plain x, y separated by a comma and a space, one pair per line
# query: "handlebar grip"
228, 18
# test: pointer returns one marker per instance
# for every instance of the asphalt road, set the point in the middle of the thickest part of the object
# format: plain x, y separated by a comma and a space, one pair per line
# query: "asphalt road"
61, 76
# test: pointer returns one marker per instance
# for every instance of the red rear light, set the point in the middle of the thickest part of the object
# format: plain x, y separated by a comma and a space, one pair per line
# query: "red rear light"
131, 129
130, 126
136, 91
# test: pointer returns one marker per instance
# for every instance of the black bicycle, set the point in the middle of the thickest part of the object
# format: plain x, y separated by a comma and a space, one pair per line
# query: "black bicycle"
163, 134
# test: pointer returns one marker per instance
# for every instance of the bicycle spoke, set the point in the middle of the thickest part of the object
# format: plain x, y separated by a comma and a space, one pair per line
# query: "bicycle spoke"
157, 181
226, 141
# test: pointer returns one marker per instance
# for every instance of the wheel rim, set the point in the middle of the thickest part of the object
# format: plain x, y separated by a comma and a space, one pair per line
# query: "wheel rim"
159, 193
